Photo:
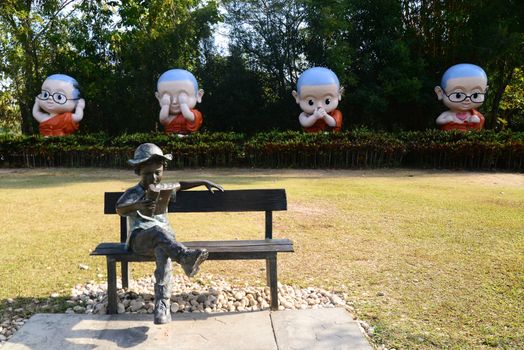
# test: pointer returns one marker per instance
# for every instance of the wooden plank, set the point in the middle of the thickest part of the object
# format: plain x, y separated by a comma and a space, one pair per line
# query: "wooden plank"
212, 256
227, 201
230, 243
241, 243
281, 245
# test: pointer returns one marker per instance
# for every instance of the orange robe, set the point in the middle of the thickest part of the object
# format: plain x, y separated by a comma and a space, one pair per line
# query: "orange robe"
320, 125
59, 125
466, 126
180, 125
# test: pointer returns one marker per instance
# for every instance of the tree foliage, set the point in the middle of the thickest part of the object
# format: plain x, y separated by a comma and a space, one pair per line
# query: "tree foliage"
388, 55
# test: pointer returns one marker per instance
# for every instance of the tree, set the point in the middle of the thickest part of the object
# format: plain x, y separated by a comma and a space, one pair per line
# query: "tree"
26, 26
270, 33
512, 103
269, 37
487, 33
364, 43
116, 50
234, 99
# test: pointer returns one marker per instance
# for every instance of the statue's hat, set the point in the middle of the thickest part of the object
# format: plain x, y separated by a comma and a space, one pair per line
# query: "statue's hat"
147, 151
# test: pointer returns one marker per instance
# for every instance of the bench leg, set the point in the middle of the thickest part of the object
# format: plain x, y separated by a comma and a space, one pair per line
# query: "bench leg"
271, 268
125, 274
111, 286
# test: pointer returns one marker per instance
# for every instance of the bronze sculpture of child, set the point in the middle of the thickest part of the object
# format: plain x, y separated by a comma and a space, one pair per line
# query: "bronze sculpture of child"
151, 234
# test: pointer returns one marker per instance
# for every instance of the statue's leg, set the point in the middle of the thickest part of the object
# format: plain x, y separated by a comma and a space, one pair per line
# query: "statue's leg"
146, 241
163, 286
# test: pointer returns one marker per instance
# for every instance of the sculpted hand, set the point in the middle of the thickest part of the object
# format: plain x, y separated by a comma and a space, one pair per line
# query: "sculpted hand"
165, 100
448, 118
39, 113
145, 204
210, 186
321, 113
182, 98
316, 114
81, 104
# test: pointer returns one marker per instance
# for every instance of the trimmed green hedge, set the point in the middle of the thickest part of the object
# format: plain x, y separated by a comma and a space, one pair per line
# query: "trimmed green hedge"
360, 148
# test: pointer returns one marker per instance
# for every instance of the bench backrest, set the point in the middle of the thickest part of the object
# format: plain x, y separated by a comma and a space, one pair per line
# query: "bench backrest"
267, 200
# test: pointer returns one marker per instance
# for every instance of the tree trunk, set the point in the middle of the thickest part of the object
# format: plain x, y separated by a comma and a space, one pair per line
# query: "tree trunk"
26, 117
504, 81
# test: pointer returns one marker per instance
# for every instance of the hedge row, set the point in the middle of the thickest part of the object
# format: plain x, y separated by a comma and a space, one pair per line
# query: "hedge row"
291, 149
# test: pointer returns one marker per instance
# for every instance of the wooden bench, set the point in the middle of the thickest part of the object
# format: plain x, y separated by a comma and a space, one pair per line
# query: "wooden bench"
198, 202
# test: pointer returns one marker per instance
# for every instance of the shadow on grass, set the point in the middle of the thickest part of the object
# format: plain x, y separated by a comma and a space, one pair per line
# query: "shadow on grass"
59, 177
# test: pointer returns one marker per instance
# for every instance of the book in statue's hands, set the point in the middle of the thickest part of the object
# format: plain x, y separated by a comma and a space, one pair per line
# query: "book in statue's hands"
160, 194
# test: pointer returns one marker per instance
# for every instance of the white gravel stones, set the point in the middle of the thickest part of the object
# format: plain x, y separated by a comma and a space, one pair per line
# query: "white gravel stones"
205, 293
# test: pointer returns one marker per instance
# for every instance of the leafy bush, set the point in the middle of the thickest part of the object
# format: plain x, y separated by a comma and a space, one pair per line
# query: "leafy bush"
360, 148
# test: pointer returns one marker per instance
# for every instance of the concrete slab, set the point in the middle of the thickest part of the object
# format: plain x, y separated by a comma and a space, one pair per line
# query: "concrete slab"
318, 329
304, 329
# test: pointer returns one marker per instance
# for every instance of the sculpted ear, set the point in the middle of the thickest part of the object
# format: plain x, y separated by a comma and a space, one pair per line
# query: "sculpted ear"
199, 95
158, 97
340, 92
438, 91
296, 96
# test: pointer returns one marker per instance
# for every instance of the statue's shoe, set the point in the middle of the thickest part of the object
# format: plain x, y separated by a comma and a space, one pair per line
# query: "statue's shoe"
162, 312
192, 259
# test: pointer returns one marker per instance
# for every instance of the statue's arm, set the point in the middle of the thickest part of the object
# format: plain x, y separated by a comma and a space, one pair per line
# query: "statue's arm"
163, 116
126, 209
444, 118
130, 202
330, 121
185, 185
187, 113
474, 119
38, 114
79, 110
307, 120
184, 108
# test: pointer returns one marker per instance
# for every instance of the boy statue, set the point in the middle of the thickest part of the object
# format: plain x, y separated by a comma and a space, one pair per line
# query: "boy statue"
462, 90
58, 108
150, 233
178, 93
318, 93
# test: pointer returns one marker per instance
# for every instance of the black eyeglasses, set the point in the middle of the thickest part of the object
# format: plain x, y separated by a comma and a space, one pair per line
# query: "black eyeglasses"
476, 97
58, 97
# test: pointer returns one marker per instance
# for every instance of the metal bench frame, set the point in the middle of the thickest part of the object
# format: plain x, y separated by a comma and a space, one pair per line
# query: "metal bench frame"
267, 200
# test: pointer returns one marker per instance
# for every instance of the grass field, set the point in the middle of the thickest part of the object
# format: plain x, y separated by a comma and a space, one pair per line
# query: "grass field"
432, 260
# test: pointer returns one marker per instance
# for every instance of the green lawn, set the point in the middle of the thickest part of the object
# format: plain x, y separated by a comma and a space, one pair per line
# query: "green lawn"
432, 260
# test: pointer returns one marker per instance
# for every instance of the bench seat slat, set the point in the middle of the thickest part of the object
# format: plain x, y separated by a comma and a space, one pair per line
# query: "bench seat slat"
254, 246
